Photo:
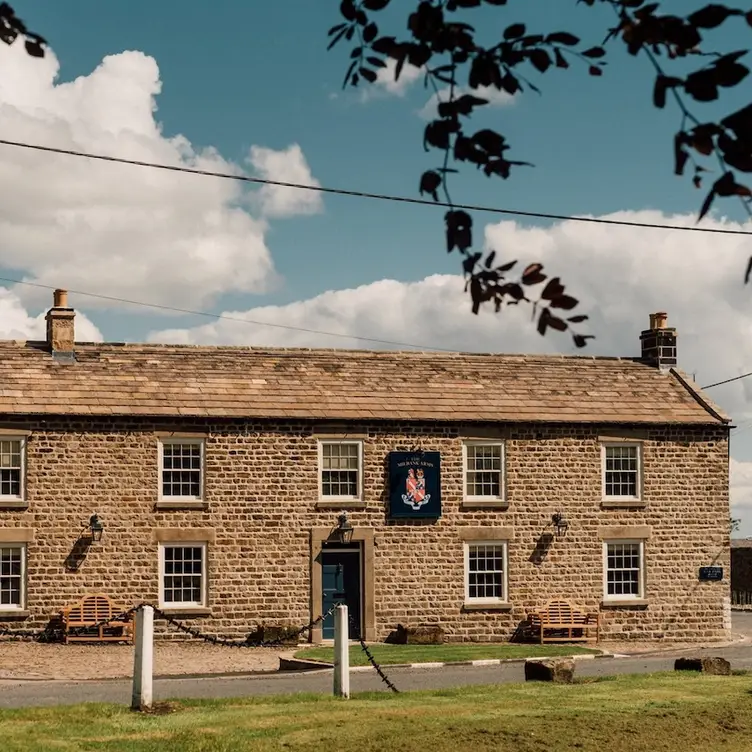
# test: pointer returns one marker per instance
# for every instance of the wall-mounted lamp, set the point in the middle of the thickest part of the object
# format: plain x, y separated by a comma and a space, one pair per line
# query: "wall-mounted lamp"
560, 523
97, 528
344, 530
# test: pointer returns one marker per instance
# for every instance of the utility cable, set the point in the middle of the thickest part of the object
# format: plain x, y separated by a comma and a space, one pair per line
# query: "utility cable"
365, 194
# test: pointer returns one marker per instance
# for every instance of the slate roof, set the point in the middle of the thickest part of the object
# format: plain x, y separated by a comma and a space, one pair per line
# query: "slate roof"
179, 380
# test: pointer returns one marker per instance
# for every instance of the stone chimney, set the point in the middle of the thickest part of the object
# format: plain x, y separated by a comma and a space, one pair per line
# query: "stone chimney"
659, 343
60, 331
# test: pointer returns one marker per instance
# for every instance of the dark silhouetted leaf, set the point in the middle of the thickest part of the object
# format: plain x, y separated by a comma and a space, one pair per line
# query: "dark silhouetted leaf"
560, 59
34, 48
706, 204
578, 319
533, 275
567, 302
594, 52
515, 31
748, 273
430, 182
580, 340
370, 32
459, 230
594, 70
540, 59
506, 267
375, 4
562, 37
368, 74
490, 259
553, 289
347, 9
711, 16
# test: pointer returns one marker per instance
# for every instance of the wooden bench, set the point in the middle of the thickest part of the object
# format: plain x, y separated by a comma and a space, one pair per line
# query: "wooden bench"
559, 621
97, 612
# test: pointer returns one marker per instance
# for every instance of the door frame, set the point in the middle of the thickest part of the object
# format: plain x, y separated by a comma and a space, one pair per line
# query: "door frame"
364, 536
335, 549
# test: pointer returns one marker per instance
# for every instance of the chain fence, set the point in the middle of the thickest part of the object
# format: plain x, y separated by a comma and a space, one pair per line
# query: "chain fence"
55, 634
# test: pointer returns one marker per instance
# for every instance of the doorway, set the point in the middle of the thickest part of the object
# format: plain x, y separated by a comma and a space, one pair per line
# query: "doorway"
341, 580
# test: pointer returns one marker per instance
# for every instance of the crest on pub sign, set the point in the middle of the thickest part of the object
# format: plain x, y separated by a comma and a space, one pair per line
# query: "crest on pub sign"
414, 484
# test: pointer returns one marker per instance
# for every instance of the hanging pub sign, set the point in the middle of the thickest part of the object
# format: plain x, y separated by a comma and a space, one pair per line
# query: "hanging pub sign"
414, 484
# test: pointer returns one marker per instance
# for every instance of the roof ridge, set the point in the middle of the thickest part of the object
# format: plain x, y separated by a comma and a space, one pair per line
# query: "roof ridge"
700, 396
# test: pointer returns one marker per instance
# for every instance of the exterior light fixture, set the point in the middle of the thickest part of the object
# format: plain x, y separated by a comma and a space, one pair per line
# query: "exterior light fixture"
97, 528
560, 523
344, 530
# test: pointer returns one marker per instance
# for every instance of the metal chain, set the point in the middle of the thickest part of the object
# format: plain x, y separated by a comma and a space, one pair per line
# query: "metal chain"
226, 642
372, 660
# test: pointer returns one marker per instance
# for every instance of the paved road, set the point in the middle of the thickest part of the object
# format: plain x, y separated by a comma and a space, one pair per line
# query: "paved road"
29, 693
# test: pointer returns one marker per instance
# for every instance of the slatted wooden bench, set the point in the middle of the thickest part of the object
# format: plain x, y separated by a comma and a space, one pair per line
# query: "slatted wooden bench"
559, 621
97, 612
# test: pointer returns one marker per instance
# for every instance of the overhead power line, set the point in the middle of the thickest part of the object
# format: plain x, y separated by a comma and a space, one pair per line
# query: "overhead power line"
365, 194
727, 381
222, 317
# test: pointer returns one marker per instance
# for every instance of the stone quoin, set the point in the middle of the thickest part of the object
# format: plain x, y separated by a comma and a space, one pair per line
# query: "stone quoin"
219, 474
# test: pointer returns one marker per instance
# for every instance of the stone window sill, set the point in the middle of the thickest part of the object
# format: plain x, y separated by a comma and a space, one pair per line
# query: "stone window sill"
340, 504
623, 503
14, 614
634, 603
480, 504
187, 504
13, 504
472, 606
186, 610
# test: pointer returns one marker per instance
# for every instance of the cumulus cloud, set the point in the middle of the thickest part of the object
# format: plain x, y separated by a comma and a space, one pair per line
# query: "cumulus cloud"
495, 98
286, 166
125, 231
385, 83
17, 323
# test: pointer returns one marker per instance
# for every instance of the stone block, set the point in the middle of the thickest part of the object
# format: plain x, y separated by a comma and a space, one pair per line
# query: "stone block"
715, 665
282, 635
421, 634
559, 670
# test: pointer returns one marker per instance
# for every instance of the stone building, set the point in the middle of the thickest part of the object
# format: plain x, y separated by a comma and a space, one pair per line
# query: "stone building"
477, 486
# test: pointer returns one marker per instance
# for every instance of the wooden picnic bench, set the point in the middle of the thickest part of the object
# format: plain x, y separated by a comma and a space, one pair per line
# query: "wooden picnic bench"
97, 612
559, 621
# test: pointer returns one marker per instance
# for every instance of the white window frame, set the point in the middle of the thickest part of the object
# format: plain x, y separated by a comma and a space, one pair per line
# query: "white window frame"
22, 489
204, 574
502, 472
6, 607
633, 445
629, 597
202, 470
505, 579
359, 495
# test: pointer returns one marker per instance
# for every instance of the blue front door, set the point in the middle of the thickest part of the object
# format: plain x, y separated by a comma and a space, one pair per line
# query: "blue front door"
340, 575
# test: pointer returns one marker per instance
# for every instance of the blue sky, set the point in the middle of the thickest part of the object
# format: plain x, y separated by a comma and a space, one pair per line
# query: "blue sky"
258, 73
232, 76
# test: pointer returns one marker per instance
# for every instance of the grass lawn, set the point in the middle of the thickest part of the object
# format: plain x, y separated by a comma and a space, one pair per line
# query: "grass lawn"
665, 712
386, 654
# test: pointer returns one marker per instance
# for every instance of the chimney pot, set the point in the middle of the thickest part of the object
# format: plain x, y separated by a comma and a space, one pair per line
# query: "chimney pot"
60, 299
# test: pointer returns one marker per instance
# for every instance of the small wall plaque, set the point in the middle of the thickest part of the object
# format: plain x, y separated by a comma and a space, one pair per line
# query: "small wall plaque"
711, 573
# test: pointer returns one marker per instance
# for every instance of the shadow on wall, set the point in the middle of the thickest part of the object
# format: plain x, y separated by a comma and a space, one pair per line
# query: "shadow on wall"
78, 553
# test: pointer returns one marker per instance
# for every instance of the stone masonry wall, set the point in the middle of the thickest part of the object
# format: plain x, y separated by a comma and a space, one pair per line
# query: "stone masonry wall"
261, 489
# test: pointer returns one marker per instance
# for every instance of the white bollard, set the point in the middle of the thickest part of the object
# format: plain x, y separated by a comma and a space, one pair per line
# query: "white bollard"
341, 653
143, 659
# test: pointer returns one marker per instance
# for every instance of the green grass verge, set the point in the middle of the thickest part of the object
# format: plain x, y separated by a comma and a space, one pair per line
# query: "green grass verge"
666, 712
388, 654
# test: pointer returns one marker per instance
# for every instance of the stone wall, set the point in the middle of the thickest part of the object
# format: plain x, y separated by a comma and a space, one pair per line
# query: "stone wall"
261, 494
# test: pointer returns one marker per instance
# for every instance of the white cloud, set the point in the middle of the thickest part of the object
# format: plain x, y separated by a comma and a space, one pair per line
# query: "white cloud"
385, 83
287, 166
495, 98
17, 323
122, 230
